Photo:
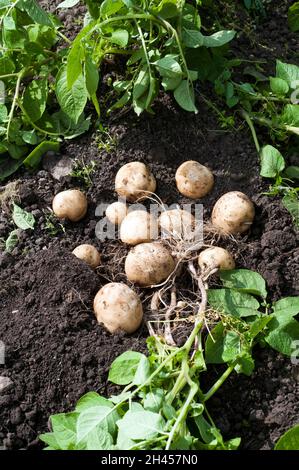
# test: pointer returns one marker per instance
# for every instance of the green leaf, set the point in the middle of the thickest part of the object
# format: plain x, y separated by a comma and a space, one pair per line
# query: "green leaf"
171, 83
283, 335
184, 95
279, 86
94, 417
110, 7
12, 241
166, 9
245, 364
22, 219
244, 280
3, 113
72, 101
74, 64
50, 439
120, 37
238, 304
68, 4
218, 39
89, 400
36, 13
64, 428
35, 98
91, 76
272, 162
169, 67
287, 307
30, 137
291, 203
149, 425
221, 346
288, 72
192, 38
123, 369
292, 172
7, 66
258, 325
99, 439
290, 115
34, 157
153, 400
289, 440
142, 372
293, 17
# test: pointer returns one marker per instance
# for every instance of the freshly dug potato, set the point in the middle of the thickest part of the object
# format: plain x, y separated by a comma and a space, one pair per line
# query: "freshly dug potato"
148, 264
233, 213
138, 227
89, 254
134, 181
177, 223
118, 307
116, 212
215, 258
194, 180
70, 204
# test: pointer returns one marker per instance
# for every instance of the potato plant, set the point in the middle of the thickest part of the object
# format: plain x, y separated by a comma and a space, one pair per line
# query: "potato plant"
163, 391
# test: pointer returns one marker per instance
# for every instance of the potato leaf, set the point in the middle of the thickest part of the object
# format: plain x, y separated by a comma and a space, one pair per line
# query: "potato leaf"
283, 334
73, 100
244, 280
272, 162
22, 219
293, 17
288, 72
184, 95
11, 241
64, 429
95, 417
35, 98
289, 440
123, 369
238, 304
149, 425
68, 4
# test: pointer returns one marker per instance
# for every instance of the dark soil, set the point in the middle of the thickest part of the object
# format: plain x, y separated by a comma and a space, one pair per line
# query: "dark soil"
55, 350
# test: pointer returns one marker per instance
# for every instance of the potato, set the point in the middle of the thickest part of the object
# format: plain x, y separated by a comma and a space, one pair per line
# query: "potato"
215, 258
138, 227
177, 223
89, 254
118, 307
194, 180
70, 204
134, 181
148, 264
116, 212
233, 213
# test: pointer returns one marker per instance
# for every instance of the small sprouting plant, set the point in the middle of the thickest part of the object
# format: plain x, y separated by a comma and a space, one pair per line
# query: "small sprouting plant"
83, 172
52, 225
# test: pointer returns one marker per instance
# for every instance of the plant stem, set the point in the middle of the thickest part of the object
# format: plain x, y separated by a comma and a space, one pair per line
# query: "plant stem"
54, 134
9, 75
14, 102
219, 382
247, 118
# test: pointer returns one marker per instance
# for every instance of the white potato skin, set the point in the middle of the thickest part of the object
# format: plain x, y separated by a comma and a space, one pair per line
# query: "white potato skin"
89, 254
116, 212
149, 264
70, 204
138, 227
194, 180
134, 181
118, 307
177, 223
233, 213
215, 258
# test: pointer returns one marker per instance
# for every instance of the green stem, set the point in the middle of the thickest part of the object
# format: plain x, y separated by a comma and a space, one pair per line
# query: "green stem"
247, 118
55, 134
9, 75
219, 382
14, 102
64, 37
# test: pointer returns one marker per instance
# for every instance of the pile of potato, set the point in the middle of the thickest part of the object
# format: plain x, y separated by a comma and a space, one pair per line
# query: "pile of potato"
149, 262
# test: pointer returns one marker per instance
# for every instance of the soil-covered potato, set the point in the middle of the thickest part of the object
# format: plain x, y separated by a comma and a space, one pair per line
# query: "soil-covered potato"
177, 223
116, 212
215, 258
138, 227
89, 254
194, 180
134, 181
233, 213
118, 307
70, 204
148, 264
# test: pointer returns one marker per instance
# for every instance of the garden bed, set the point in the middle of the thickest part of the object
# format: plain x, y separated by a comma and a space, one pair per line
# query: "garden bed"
55, 350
